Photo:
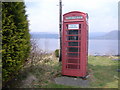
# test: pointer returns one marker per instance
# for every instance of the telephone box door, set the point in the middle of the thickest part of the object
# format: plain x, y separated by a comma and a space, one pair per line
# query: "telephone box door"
72, 48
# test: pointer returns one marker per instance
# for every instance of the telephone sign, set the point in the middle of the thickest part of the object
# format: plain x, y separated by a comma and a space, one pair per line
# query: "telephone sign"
74, 17
73, 26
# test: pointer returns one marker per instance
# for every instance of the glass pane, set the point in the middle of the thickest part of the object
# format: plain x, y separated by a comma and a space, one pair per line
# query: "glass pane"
80, 26
73, 32
72, 54
72, 38
73, 49
73, 43
72, 66
73, 60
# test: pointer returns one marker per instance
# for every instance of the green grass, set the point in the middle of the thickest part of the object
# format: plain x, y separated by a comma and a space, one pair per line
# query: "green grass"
102, 70
53, 85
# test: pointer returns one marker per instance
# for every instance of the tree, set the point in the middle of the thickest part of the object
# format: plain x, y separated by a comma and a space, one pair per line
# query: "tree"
15, 38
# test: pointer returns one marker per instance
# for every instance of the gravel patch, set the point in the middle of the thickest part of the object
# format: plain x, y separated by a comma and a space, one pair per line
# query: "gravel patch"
71, 81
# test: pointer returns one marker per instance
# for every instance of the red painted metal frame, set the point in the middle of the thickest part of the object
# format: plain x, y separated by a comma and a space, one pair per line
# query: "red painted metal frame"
79, 65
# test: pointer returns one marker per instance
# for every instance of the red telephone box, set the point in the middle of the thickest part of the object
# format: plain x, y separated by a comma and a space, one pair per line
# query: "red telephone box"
75, 44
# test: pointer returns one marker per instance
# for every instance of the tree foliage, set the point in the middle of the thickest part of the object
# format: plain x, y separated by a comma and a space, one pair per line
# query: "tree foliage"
15, 38
57, 52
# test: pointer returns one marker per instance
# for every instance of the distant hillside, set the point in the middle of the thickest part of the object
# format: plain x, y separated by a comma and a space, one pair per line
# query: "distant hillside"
93, 35
113, 35
37, 35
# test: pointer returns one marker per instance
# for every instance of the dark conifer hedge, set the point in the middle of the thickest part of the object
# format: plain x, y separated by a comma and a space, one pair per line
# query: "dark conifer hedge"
15, 38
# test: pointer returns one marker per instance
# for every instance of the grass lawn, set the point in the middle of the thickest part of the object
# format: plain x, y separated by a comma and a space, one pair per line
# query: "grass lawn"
102, 70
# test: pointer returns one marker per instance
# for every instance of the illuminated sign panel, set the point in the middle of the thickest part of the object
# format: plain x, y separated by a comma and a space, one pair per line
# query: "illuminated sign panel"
75, 17
73, 26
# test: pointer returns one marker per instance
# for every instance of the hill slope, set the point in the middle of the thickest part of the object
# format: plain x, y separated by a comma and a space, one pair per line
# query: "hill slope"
113, 35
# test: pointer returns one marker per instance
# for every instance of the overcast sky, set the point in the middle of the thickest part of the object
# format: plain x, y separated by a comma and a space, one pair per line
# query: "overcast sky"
43, 15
